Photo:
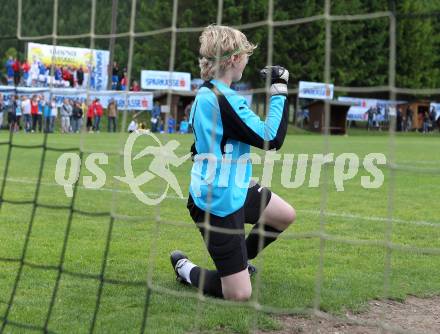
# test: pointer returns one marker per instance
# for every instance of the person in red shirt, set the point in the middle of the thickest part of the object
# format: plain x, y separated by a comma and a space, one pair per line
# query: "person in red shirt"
124, 81
135, 87
16, 67
90, 116
97, 107
36, 116
66, 75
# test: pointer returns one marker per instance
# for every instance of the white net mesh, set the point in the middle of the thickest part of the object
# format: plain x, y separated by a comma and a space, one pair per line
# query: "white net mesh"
113, 215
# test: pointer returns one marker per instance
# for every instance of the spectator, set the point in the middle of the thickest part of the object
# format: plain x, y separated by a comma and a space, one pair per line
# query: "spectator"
83, 107
18, 113
433, 118
47, 116
90, 116
25, 67
132, 127
171, 124
92, 73
58, 76
370, 113
409, 119
26, 110
2, 109
377, 118
399, 120
42, 75
155, 115
124, 81
36, 116
53, 114
115, 76
421, 120
10, 70
120, 76
16, 66
77, 114
112, 116
74, 77
12, 108
65, 76
71, 77
98, 114
66, 112
11, 112
425, 122
183, 128
80, 76
33, 72
386, 116
135, 86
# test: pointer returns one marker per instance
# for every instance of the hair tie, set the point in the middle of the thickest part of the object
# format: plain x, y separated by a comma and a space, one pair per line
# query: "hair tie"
225, 56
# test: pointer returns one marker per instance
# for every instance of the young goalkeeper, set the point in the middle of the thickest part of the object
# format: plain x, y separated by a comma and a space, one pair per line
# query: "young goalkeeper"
225, 126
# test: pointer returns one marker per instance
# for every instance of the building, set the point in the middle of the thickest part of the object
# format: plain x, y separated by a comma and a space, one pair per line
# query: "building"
338, 116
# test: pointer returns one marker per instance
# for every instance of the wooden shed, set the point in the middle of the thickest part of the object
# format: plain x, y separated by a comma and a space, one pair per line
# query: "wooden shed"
416, 109
338, 116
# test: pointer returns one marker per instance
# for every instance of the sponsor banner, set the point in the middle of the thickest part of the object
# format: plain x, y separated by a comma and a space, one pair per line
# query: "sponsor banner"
165, 80
95, 61
315, 90
357, 113
359, 102
384, 107
367, 103
124, 100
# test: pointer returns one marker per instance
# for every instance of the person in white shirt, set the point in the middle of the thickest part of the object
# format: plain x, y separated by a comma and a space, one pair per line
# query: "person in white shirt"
53, 114
132, 127
34, 73
66, 112
26, 110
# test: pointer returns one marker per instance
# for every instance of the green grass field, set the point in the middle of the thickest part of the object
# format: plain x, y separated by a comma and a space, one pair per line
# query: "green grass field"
354, 260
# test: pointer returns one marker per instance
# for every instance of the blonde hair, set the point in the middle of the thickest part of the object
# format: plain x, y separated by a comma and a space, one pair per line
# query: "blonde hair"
217, 45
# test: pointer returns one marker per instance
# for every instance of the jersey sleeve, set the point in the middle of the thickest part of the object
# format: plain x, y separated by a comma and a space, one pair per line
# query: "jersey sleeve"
242, 124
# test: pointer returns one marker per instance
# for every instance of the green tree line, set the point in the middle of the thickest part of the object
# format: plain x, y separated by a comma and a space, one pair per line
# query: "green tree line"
359, 49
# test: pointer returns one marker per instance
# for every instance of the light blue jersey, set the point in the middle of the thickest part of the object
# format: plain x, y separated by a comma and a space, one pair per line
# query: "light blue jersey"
224, 129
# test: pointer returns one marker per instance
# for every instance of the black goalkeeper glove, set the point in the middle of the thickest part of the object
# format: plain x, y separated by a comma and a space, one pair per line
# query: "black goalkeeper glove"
279, 78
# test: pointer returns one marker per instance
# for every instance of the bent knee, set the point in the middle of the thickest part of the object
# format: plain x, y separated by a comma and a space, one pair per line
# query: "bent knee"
288, 217
291, 215
238, 295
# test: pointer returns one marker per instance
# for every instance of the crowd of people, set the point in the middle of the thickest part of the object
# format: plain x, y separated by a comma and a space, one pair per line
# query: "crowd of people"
37, 74
406, 120
38, 114
157, 122
427, 121
376, 118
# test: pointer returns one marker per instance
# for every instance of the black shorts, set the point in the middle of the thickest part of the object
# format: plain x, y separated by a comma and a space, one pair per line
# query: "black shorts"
228, 248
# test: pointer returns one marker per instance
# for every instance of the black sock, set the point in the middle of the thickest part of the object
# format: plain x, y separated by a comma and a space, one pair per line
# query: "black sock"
212, 285
253, 239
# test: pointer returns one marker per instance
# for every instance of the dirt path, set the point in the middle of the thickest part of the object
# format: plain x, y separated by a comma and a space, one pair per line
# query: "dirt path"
415, 315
